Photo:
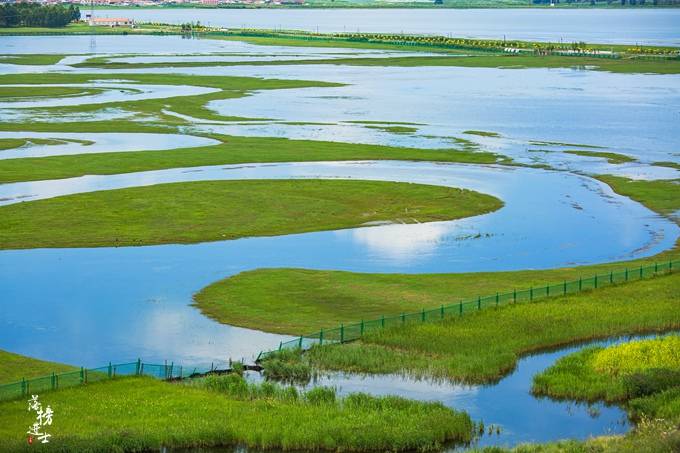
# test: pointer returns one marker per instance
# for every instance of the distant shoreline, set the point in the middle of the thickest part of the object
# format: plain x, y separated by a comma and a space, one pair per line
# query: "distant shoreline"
428, 5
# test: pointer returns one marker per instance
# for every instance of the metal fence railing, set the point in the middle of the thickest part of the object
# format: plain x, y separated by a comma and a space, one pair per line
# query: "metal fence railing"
351, 332
55, 381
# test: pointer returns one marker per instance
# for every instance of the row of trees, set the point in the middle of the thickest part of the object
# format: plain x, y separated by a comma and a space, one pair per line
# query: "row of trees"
34, 15
611, 2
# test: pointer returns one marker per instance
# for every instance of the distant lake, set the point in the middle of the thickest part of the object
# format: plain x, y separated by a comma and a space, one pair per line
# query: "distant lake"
616, 26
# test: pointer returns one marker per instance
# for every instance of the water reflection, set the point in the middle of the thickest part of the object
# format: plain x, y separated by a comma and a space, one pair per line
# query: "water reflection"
67, 143
135, 300
624, 26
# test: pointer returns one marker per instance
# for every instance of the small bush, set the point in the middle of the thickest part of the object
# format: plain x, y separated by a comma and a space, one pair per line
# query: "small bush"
650, 381
287, 366
321, 395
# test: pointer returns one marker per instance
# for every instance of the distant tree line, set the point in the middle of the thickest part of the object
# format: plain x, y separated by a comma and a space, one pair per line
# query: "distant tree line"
611, 2
35, 15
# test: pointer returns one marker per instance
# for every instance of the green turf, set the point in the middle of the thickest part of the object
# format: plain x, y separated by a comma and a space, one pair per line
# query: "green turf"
300, 301
394, 129
31, 59
662, 196
612, 158
482, 133
233, 150
194, 106
11, 143
13, 94
13, 367
216, 210
631, 371
643, 376
143, 414
649, 436
248, 299
483, 346
668, 164
504, 61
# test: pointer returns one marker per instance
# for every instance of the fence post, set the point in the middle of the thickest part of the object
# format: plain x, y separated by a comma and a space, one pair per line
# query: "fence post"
280, 345
139, 362
422, 316
611, 277
580, 284
479, 302
300, 342
403, 318
23, 387
564, 287
52, 380
497, 299
460, 310
640, 272
595, 281
514, 296
362, 327
670, 265
656, 267
547, 290
382, 321
342, 333
110, 370
82, 375
626, 274
531, 294
321, 337
441, 311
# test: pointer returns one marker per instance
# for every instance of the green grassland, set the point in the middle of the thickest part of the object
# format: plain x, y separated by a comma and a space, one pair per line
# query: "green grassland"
226, 87
31, 93
15, 366
668, 164
485, 345
300, 301
281, 299
11, 143
504, 61
30, 59
217, 210
649, 436
643, 376
662, 196
612, 158
614, 374
85, 29
139, 414
231, 150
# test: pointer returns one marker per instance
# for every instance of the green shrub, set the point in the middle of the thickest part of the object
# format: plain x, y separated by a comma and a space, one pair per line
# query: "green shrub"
321, 395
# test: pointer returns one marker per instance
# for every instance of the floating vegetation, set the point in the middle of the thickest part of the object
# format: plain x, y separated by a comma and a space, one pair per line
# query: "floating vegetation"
612, 158
482, 133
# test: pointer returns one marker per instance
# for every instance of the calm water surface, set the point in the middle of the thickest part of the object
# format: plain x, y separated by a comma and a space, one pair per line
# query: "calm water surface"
134, 300
643, 26
94, 305
631, 114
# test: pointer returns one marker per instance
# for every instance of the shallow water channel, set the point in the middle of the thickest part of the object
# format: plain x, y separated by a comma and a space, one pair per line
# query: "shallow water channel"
508, 403
134, 300
90, 306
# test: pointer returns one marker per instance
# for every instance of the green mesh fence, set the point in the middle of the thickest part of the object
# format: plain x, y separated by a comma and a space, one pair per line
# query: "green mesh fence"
351, 332
55, 381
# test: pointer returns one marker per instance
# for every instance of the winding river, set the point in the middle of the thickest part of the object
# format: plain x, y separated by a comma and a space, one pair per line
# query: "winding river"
88, 306
134, 299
